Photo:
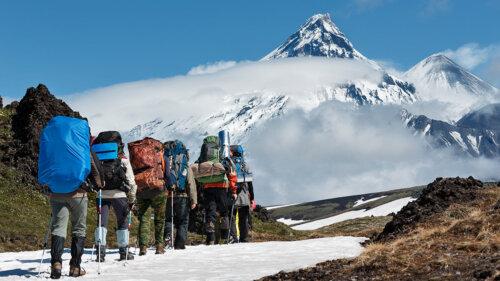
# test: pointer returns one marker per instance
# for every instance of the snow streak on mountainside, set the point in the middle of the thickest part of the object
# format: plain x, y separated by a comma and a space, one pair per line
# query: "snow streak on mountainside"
472, 141
320, 37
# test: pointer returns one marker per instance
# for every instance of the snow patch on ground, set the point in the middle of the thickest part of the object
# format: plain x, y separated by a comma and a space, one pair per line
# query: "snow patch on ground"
279, 206
290, 221
382, 210
361, 201
244, 261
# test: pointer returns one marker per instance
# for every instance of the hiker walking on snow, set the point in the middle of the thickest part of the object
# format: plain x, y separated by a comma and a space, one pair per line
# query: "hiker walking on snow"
64, 164
245, 201
184, 194
242, 206
119, 192
152, 176
217, 181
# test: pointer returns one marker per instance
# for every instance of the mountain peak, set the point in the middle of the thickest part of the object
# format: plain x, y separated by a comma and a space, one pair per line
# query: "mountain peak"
318, 36
438, 72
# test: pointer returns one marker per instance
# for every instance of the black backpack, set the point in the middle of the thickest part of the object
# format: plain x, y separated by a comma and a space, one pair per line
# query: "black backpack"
107, 146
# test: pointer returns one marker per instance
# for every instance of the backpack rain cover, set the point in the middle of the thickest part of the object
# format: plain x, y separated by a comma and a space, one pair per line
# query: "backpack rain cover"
64, 160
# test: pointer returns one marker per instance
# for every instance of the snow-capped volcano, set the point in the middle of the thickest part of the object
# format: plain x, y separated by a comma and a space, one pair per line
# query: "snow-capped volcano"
438, 73
363, 82
319, 36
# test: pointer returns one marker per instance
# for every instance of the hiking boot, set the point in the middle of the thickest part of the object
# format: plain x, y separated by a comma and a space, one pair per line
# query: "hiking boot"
222, 241
76, 271
160, 250
55, 270
142, 250
124, 255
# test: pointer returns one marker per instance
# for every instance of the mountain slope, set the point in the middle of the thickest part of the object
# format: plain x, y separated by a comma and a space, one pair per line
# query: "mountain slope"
316, 210
438, 73
469, 140
487, 117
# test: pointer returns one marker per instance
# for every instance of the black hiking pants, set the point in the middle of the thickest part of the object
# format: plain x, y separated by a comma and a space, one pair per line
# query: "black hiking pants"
243, 214
216, 200
181, 220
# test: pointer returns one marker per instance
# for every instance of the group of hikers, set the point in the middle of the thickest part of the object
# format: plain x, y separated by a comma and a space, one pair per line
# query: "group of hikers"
156, 176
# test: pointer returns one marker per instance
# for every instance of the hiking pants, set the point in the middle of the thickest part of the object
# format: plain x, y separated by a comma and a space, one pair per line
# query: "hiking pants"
243, 215
74, 209
120, 206
158, 204
217, 200
181, 220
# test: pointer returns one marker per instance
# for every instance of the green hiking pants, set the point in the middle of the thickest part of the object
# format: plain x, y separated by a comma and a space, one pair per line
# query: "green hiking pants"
74, 209
158, 203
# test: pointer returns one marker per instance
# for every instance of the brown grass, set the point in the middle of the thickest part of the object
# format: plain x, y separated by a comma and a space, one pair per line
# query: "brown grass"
462, 243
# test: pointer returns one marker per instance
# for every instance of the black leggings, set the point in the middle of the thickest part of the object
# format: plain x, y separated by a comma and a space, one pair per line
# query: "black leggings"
121, 210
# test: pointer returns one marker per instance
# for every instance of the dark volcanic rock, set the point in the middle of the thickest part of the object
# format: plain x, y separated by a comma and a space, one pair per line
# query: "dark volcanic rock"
435, 198
262, 214
32, 114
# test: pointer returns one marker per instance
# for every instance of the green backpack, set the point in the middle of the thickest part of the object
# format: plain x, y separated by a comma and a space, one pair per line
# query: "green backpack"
210, 150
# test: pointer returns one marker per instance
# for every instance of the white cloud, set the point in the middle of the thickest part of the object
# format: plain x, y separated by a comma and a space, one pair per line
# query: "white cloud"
123, 106
337, 151
472, 55
211, 67
434, 6
492, 72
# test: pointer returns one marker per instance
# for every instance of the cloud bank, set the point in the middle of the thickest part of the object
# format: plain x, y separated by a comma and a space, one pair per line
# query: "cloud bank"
123, 106
316, 150
336, 150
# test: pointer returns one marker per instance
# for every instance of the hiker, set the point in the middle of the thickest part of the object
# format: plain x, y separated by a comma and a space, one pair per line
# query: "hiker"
119, 192
217, 182
64, 152
241, 213
184, 195
152, 176
245, 201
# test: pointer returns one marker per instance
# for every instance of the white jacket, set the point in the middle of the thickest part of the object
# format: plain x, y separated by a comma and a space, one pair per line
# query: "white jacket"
129, 176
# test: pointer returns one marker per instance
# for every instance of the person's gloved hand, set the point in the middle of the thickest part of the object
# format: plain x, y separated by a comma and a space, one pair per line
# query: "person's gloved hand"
253, 205
132, 207
235, 196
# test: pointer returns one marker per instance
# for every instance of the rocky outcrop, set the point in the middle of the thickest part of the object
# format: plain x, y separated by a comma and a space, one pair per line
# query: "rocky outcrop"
435, 198
31, 115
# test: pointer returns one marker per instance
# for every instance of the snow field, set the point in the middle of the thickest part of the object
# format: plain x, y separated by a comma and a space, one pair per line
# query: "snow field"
245, 261
382, 210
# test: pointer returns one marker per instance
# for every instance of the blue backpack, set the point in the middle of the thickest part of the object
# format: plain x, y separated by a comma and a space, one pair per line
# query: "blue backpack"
242, 169
64, 160
176, 153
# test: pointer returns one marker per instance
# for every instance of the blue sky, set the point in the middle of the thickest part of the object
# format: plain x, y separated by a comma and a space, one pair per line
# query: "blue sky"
72, 46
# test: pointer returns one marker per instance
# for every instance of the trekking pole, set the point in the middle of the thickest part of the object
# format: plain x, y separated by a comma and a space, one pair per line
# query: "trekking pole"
172, 227
129, 223
230, 222
100, 235
45, 244
92, 253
